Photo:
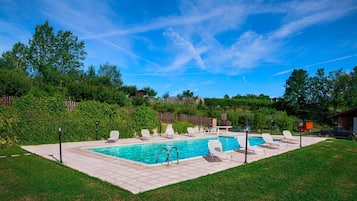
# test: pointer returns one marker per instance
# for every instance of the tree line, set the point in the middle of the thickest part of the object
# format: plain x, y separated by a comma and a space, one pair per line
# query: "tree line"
316, 97
52, 63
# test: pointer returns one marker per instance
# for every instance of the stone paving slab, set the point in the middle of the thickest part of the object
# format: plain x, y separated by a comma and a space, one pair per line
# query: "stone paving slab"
138, 178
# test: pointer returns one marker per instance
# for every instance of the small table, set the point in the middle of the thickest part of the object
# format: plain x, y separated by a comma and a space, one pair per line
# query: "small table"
224, 127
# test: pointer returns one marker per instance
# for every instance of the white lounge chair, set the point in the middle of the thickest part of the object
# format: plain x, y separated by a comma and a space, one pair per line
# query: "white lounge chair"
191, 131
113, 136
288, 136
241, 142
145, 134
169, 133
268, 140
216, 150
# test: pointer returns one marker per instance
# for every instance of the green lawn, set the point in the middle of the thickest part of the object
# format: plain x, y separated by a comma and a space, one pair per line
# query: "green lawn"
325, 171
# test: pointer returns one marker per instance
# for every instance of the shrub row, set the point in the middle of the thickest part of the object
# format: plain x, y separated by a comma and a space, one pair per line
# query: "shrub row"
32, 120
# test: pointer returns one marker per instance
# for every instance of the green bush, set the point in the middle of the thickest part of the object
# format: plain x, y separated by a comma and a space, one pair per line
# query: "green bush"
13, 83
283, 121
7, 135
144, 117
181, 126
36, 119
80, 123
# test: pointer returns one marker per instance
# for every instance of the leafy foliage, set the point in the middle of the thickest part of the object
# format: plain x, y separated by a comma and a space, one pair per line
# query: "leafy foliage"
13, 83
36, 119
181, 126
144, 118
80, 123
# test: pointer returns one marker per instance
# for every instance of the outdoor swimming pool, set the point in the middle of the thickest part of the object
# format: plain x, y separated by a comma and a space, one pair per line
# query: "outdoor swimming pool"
148, 152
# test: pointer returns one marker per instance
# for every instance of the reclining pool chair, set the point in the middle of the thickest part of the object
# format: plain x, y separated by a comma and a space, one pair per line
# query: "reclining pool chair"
250, 148
114, 136
145, 134
169, 133
215, 150
268, 140
191, 131
288, 136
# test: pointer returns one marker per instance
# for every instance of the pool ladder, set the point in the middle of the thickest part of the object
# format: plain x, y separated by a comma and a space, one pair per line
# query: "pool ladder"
168, 153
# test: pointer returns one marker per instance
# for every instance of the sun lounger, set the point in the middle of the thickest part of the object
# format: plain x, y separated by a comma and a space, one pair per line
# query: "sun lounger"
216, 150
145, 134
113, 136
288, 136
242, 141
169, 133
268, 140
191, 131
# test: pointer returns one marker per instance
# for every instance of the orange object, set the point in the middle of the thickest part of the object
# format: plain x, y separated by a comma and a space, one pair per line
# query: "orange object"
308, 125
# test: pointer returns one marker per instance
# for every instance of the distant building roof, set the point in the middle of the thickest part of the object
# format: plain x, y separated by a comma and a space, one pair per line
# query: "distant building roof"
141, 93
344, 113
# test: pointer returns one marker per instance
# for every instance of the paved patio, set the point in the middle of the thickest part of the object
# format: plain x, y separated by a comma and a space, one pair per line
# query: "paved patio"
136, 177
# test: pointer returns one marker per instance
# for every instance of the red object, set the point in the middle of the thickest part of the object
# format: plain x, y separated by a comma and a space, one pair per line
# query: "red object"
306, 126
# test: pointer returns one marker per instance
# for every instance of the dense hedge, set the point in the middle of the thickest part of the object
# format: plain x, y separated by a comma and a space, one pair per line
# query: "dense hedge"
33, 120
144, 117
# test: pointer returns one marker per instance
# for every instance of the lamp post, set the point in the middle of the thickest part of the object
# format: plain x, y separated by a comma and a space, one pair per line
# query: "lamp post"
96, 130
247, 128
60, 142
301, 126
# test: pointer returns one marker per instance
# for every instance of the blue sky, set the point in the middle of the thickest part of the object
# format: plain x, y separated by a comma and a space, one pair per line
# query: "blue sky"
210, 47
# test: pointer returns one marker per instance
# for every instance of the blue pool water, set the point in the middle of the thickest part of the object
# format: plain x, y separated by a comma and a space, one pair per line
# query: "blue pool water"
148, 153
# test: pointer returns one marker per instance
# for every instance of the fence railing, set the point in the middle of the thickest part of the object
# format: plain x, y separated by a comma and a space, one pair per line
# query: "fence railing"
6, 100
196, 120
71, 105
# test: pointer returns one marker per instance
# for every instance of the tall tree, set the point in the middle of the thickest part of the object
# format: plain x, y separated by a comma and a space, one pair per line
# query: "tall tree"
129, 90
42, 51
55, 57
16, 58
295, 95
318, 94
166, 95
318, 89
151, 92
338, 84
186, 95
352, 89
112, 73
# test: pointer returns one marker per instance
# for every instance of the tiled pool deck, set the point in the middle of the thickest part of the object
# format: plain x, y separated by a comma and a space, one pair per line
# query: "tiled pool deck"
136, 177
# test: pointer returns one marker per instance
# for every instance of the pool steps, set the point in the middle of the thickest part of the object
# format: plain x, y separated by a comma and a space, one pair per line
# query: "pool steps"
168, 153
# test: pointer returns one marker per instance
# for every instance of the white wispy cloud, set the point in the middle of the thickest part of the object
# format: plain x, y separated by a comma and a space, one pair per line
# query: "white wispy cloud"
282, 72
244, 79
188, 51
330, 60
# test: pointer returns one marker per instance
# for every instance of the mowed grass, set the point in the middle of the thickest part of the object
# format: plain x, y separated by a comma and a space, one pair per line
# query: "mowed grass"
325, 171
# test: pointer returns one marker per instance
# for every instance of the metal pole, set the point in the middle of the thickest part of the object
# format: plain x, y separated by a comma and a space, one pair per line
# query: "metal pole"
246, 145
60, 142
96, 130
301, 125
